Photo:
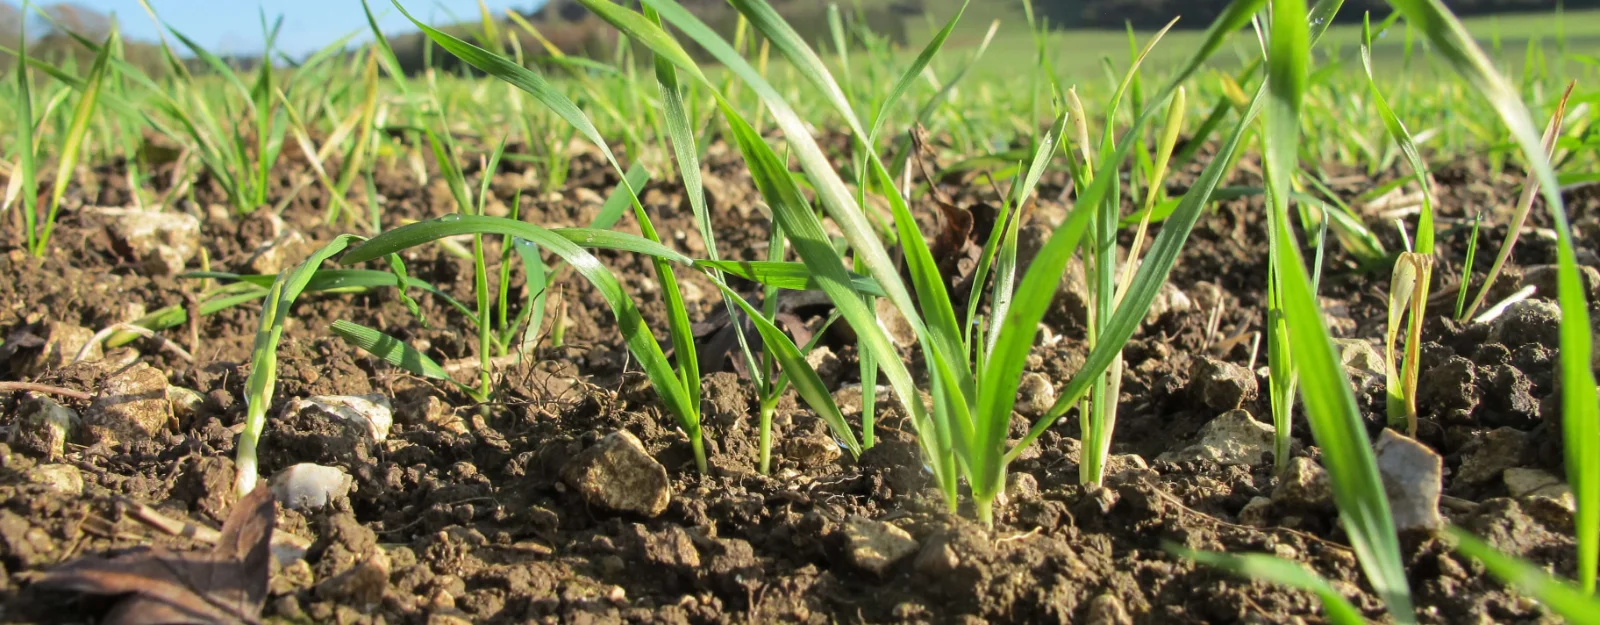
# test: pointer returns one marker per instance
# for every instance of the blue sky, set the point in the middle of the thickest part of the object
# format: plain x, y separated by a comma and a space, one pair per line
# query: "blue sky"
234, 26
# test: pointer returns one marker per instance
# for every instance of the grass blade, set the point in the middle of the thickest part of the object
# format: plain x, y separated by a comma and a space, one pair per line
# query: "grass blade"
1530, 190
1580, 400
641, 342
1330, 405
786, 275
1572, 604
264, 356
1260, 566
25, 162
389, 349
72, 144
799, 373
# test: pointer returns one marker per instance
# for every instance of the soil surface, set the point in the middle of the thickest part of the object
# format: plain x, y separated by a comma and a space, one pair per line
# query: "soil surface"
466, 516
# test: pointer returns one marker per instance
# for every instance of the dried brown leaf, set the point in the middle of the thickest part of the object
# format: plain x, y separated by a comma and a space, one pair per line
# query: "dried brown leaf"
224, 586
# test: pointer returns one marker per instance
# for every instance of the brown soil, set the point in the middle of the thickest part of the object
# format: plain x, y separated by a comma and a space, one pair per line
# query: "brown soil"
478, 526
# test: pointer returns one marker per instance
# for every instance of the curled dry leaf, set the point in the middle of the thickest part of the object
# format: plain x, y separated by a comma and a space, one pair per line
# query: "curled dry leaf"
226, 585
960, 233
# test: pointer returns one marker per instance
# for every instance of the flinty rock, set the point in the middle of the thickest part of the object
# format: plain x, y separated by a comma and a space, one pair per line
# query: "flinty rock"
1412, 476
1072, 297
132, 405
59, 343
43, 426
307, 486
373, 414
1256, 513
1035, 395
1107, 609
62, 479
810, 450
894, 324
186, 403
162, 243
1234, 438
1500, 449
937, 559
284, 247
1303, 484
874, 546
826, 364
1546, 497
617, 473
1222, 385
1361, 361
1524, 482
436, 413
1170, 299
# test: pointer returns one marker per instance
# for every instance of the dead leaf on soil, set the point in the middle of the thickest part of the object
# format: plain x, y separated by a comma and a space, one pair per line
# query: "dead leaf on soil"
960, 233
227, 585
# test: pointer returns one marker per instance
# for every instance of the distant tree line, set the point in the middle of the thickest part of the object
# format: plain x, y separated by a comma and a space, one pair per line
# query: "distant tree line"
571, 28
574, 30
48, 37
1149, 14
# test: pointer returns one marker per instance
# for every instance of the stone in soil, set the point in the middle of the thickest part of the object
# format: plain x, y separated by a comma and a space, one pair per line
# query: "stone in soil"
1071, 305
1170, 299
1412, 478
1222, 385
363, 584
1545, 496
1501, 449
186, 403
1361, 361
1035, 395
894, 324
161, 242
307, 486
827, 365
61, 479
1107, 609
1234, 438
1303, 484
43, 426
1544, 279
617, 473
131, 406
810, 451
58, 343
373, 414
1256, 513
283, 247
874, 546
936, 559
